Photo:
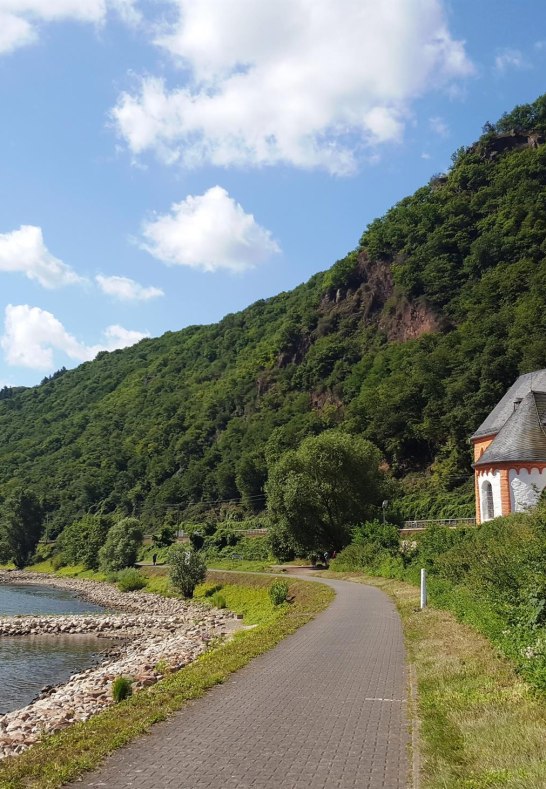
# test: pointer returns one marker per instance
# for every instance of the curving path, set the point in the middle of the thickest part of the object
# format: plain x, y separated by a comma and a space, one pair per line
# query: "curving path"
326, 708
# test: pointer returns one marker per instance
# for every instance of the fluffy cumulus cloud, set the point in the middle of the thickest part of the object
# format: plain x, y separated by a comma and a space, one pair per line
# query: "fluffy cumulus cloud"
126, 289
24, 251
20, 20
32, 335
303, 82
208, 232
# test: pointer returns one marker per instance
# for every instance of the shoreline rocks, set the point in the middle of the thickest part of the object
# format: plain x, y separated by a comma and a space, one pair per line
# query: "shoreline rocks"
157, 635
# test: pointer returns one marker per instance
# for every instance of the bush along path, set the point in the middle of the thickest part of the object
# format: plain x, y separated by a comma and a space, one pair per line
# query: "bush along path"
325, 708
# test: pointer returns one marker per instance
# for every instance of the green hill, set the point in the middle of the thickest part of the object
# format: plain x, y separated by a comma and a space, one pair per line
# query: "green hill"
409, 340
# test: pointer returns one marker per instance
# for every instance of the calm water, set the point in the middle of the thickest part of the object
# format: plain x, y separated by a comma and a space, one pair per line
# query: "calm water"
27, 663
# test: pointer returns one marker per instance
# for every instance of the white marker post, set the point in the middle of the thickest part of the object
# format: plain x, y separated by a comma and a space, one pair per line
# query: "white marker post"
423, 588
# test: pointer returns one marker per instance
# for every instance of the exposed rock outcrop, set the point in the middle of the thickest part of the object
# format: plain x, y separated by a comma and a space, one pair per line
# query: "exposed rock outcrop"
497, 144
371, 296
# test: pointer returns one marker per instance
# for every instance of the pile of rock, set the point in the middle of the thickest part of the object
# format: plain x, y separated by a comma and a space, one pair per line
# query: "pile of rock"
105, 625
164, 636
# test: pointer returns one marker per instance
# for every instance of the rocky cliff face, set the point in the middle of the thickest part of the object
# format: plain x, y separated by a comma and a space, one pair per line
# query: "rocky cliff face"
372, 297
512, 140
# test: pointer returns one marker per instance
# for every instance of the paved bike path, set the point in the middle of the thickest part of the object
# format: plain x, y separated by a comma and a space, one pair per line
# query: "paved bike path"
325, 709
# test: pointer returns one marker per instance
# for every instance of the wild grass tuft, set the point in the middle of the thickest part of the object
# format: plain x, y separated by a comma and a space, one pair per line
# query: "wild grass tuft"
278, 592
122, 688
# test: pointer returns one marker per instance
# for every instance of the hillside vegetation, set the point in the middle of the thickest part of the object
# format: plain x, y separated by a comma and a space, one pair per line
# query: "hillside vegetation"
409, 341
491, 578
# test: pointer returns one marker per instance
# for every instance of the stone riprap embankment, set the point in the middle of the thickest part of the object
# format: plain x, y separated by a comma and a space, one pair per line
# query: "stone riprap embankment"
156, 635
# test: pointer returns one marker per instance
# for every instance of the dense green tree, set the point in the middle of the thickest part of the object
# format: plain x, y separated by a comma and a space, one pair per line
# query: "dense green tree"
318, 492
164, 537
121, 547
81, 541
187, 568
21, 526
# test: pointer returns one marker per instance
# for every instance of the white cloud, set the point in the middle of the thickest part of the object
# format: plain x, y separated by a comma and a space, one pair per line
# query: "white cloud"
509, 59
209, 232
115, 337
127, 289
31, 335
20, 20
15, 32
439, 126
24, 251
302, 82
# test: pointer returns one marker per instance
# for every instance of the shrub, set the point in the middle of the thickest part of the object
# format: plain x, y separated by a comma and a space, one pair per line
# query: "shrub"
222, 538
186, 569
212, 591
165, 537
381, 535
162, 667
360, 557
122, 688
121, 547
218, 601
58, 561
435, 541
391, 567
254, 548
281, 543
197, 540
81, 541
278, 592
129, 580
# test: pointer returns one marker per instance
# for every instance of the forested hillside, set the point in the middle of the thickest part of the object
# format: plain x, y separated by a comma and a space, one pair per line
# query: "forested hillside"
409, 341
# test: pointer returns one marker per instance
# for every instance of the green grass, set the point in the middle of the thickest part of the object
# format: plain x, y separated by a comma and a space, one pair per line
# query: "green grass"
62, 757
70, 571
147, 552
242, 565
481, 725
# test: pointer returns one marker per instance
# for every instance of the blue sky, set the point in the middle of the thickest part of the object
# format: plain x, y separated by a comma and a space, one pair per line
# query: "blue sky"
165, 163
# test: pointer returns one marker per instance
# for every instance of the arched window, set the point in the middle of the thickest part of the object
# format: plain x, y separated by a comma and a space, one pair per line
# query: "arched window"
488, 508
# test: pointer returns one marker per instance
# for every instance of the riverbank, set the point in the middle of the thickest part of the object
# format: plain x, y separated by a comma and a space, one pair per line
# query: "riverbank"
59, 759
157, 635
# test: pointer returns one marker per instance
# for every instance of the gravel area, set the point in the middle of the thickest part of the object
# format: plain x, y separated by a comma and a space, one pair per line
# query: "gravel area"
155, 634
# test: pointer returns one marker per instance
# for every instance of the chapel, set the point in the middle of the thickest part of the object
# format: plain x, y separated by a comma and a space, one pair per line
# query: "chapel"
510, 450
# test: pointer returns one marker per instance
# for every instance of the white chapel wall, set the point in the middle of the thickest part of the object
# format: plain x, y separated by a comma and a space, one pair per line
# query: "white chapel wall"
494, 478
525, 488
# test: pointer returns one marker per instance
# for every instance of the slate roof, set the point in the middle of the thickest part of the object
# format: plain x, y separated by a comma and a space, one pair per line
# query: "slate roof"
501, 413
523, 436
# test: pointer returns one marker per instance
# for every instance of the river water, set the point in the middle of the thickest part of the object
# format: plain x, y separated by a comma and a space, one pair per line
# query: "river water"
27, 663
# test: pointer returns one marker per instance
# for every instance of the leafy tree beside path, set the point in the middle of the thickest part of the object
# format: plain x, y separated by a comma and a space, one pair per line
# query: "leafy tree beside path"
316, 493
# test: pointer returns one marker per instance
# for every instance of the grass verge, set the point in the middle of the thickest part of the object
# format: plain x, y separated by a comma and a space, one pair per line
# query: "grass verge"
481, 726
62, 757
242, 565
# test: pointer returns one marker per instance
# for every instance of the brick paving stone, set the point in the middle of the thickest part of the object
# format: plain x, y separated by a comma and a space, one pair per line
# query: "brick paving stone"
325, 709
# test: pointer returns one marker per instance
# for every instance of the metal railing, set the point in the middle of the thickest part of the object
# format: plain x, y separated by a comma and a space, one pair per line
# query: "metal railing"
251, 532
449, 522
